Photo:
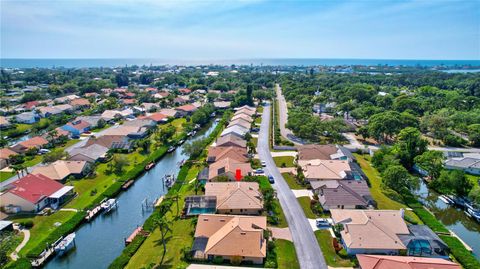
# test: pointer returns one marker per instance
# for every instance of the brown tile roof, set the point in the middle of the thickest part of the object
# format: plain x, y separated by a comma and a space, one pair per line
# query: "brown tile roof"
242, 116
245, 111
231, 140
346, 193
5, 153
403, 262
320, 152
4, 121
80, 102
34, 142
60, 169
232, 235
371, 229
187, 108
105, 140
324, 169
240, 122
169, 112
228, 165
235, 195
234, 153
157, 117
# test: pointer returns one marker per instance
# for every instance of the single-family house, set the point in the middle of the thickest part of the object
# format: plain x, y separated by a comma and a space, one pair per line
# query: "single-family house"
60, 170
77, 127
148, 123
229, 168
242, 116
221, 104
184, 90
234, 153
4, 123
111, 142
467, 164
91, 153
66, 98
32, 193
180, 100
169, 112
156, 117
186, 109
324, 152
5, 154
343, 194
230, 140
80, 103
325, 169
161, 95
247, 112
245, 107
111, 115
238, 198
423, 242
371, 231
235, 130
240, 122
233, 238
92, 120
128, 131
27, 117
30, 105
34, 142
403, 262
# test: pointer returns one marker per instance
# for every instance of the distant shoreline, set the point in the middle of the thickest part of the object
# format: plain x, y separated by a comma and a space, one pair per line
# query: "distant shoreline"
118, 62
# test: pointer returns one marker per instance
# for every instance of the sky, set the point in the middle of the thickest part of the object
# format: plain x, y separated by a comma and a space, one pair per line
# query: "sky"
363, 29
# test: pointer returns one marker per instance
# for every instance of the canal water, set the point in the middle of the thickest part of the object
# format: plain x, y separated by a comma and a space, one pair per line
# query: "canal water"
99, 242
452, 217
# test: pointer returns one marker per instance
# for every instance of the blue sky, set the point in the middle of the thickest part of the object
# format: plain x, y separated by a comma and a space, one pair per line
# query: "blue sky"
420, 29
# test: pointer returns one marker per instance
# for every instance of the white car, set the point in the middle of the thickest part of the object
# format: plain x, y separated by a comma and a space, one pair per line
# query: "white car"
321, 222
264, 163
43, 151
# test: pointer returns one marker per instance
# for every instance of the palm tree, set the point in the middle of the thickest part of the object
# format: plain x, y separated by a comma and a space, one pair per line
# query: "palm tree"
164, 227
17, 168
197, 185
175, 197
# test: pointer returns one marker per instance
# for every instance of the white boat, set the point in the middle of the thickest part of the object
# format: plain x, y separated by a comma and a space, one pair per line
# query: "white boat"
171, 149
445, 199
473, 213
66, 244
109, 205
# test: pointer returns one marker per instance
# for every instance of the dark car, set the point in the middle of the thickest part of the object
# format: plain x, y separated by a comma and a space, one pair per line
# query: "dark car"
271, 179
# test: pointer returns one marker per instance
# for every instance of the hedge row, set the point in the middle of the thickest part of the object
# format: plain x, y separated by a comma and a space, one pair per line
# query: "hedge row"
461, 254
127, 253
426, 217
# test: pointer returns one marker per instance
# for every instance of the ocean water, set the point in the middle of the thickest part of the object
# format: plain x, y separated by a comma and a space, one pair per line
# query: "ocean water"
79, 63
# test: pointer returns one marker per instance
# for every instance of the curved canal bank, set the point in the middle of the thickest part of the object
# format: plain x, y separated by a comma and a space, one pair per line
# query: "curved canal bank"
452, 217
99, 242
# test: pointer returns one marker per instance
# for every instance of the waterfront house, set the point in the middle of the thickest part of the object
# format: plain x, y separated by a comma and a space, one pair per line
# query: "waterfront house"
60, 170
403, 262
230, 140
111, 142
325, 169
27, 117
157, 117
5, 154
77, 127
371, 231
240, 122
238, 198
32, 193
90, 154
343, 194
34, 142
423, 242
242, 116
128, 131
171, 113
234, 153
246, 112
235, 130
233, 238
186, 109
469, 164
228, 167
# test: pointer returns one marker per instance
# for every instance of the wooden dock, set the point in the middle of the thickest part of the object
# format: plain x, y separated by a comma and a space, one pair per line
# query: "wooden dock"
159, 201
44, 256
133, 235
91, 214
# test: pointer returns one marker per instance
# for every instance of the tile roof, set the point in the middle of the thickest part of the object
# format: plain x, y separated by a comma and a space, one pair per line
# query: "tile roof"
157, 117
107, 140
234, 153
324, 169
187, 108
320, 152
242, 116
93, 151
371, 229
235, 195
236, 129
80, 102
169, 112
228, 165
347, 193
403, 262
36, 141
240, 122
232, 235
5, 153
79, 124
34, 188
60, 169
231, 139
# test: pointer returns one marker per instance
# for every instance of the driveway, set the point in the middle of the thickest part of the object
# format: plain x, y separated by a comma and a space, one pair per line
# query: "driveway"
281, 233
309, 253
283, 117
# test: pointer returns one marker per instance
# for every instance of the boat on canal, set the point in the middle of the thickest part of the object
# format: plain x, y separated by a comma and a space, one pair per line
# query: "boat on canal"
171, 149
149, 166
66, 244
127, 184
446, 199
109, 205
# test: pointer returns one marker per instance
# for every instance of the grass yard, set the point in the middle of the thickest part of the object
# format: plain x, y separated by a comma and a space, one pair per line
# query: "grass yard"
305, 204
178, 123
284, 161
383, 201
258, 120
292, 181
6, 175
43, 226
282, 221
474, 179
331, 257
286, 254
19, 130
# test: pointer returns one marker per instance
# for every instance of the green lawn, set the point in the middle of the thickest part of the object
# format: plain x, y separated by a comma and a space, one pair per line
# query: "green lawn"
282, 221
284, 161
258, 120
331, 257
286, 254
378, 194
305, 204
292, 181
474, 179
260, 110
255, 141
20, 129
6, 175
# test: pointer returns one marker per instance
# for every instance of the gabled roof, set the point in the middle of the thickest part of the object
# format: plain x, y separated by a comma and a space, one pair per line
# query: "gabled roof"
242, 116
371, 229
235, 195
240, 122
228, 165
403, 262
232, 235
219, 153
157, 117
236, 129
246, 112
5, 153
34, 188
80, 102
230, 140
109, 141
313, 151
36, 141
187, 108
60, 169
79, 124
325, 169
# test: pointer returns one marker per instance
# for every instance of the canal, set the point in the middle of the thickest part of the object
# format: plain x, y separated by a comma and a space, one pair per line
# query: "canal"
452, 217
99, 242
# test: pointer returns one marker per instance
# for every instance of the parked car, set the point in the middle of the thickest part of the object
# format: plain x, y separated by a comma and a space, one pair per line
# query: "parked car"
259, 171
321, 222
271, 179
43, 151
264, 163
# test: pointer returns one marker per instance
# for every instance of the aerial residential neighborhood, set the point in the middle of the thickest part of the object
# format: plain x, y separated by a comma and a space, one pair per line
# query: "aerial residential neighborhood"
240, 134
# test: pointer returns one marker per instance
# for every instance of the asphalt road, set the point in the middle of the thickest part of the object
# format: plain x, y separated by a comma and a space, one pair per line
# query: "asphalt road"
308, 251
282, 115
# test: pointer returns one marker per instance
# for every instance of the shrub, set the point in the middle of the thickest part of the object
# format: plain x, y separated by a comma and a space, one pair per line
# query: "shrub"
461, 254
21, 263
26, 223
218, 260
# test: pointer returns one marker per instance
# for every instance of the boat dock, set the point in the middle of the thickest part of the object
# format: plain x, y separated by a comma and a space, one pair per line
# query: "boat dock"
469, 248
159, 201
44, 256
133, 235
128, 184
91, 214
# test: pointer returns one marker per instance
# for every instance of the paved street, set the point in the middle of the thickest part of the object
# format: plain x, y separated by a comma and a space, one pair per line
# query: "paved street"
308, 251
283, 117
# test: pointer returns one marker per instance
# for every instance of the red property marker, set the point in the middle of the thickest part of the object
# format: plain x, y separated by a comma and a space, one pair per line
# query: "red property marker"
238, 174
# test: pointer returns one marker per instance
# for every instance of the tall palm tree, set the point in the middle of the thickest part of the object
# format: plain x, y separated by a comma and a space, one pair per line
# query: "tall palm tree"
164, 226
175, 197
